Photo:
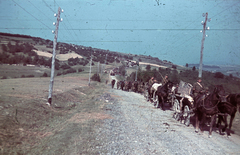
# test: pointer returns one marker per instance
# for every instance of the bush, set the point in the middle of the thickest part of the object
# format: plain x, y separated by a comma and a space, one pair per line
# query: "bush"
4, 77
71, 70
219, 75
96, 77
80, 70
65, 66
30, 75
44, 74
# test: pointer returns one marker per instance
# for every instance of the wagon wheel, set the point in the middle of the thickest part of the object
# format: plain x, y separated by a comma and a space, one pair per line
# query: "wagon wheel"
186, 115
176, 108
156, 101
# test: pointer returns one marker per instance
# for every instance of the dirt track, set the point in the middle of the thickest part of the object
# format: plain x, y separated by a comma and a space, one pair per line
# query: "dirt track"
139, 128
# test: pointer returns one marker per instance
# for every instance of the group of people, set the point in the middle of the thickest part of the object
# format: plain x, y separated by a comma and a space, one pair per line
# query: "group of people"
197, 90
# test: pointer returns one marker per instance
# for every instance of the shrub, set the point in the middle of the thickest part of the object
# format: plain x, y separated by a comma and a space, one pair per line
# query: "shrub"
80, 70
65, 66
44, 74
4, 77
96, 77
30, 75
219, 75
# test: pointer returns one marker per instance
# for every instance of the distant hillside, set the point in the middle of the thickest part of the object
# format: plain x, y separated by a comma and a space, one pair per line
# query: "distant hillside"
225, 69
16, 44
23, 49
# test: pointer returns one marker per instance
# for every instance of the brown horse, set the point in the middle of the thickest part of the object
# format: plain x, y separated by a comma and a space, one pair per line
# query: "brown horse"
208, 105
113, 83
162, 94
230, 108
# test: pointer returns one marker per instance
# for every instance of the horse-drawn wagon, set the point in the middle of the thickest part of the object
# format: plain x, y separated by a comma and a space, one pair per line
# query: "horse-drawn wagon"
182, 102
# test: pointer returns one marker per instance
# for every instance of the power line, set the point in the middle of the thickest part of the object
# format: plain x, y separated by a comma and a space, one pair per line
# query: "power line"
32, 15
48, 6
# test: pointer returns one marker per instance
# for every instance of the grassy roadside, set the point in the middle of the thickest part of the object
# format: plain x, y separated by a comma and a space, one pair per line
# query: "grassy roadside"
29, 126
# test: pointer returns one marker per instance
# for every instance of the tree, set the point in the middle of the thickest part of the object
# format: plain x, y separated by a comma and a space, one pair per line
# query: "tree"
148, 67
122, 70
174, 66
4, 47
194, 68
96, 77
219, 75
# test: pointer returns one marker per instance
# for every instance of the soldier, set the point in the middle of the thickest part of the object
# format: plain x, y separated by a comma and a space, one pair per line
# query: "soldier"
165, 80
198, 88
151, 81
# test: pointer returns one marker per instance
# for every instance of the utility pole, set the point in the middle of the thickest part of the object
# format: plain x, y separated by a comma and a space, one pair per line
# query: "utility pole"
53, 56
203, 39
98, 68
105, 62
90, 70
137, 62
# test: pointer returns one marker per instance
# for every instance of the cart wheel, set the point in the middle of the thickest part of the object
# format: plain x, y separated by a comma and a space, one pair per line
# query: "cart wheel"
186, 115
177, 116
176, 106
156, 101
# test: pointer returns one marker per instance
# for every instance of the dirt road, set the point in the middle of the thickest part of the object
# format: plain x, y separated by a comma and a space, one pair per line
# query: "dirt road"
139, 128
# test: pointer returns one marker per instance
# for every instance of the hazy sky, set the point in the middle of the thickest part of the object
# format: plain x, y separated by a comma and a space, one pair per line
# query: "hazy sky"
167, 29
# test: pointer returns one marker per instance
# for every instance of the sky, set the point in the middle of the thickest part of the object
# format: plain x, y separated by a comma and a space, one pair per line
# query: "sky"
166, 29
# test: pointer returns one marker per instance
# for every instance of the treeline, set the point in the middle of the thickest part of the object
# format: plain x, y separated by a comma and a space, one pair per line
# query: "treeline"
230, 84
24, 54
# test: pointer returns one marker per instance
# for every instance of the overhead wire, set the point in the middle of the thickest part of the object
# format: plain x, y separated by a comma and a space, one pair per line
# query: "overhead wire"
185, 41
68, 21
31, 15
64, 25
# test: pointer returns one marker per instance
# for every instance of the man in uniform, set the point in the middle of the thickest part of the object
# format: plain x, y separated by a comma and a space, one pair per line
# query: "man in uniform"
165, 79
151, 81
198, 88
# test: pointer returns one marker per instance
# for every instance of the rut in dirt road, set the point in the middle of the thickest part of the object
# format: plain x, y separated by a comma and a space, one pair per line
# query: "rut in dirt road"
139, 128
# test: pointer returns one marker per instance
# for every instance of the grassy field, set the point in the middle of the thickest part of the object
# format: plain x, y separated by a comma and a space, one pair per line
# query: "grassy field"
28, 123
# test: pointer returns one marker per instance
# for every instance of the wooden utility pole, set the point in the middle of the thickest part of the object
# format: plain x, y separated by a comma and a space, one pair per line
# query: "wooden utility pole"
53, 58
202, 46
137, 62
90, 70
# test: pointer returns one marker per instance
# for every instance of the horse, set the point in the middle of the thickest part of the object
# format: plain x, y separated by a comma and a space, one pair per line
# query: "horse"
113, 83
122, 84
135, 86
152, 90
230, 107
162, 94
118, 84
128, 85
208, 105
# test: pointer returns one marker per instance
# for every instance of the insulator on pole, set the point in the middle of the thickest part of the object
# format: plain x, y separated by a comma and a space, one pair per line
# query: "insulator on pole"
55, 15
53, 31
54, 23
